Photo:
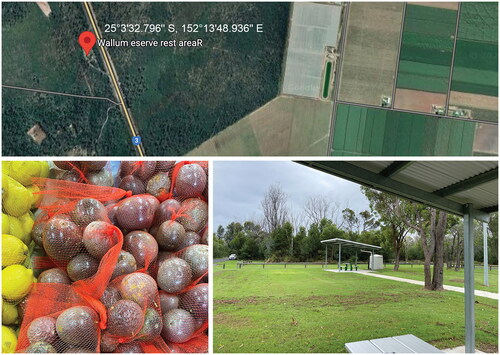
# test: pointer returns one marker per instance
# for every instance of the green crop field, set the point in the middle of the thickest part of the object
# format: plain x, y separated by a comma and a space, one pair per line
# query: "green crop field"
295, 309
368, 131
426, 48
479, 21
476, 68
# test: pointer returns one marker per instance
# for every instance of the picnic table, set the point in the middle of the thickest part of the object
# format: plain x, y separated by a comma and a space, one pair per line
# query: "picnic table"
402, 344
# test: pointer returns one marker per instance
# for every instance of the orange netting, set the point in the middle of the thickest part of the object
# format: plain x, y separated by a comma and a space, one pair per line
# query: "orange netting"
114, 256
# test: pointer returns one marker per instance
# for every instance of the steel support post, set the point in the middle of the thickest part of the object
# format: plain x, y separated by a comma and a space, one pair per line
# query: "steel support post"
326, 254
485, 254
340, 253
469, 279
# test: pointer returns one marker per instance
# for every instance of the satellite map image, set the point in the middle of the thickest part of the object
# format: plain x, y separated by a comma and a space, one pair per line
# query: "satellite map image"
249, 79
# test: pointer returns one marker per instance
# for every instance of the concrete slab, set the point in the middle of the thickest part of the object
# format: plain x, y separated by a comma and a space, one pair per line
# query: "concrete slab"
460, 350
479, 293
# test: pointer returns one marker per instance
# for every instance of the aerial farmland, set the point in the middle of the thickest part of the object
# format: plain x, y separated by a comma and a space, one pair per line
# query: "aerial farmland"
286, 79
418, 79
370, 57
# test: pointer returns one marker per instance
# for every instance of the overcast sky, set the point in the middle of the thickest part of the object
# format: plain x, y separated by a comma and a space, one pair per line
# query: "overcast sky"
239, 186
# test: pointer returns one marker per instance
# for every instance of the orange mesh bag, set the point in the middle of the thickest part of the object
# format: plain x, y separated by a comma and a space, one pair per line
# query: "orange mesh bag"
107, 242
179, 223
184, 296
63, 313
165, 179
86, 172
134, 315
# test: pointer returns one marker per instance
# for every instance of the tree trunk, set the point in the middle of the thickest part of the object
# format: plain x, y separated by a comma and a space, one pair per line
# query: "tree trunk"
438, 232
427, 261
428, 251
437, 276
450, 256
427, 273
396, 259
458, 257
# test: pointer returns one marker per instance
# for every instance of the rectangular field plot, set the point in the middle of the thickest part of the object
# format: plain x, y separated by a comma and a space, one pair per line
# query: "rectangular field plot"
476, 68
442, 5
287, 125
313, 27
419, 101
486, 140
479, 21
482, 107
475, 72
426, 52
370, 52
370, 131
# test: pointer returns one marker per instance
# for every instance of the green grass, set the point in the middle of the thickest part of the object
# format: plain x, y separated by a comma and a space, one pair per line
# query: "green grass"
304, 310
451, 277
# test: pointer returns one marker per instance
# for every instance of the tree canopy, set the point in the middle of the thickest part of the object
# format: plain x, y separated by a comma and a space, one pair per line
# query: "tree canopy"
405, 230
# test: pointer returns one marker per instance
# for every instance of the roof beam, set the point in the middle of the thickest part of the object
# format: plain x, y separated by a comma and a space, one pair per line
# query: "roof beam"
395, 168
346, 242
365, 177
469, 183
489, 209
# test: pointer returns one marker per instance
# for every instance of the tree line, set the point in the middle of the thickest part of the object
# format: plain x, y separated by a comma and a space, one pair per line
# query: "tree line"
406, 231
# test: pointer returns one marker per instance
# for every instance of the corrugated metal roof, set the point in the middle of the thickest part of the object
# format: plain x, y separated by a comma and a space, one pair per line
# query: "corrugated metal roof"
484, 195
429, 177
374, 166
350, 243
435, 175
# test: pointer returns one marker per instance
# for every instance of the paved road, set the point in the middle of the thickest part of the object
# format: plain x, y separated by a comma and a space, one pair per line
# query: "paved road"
113, 76
220, 260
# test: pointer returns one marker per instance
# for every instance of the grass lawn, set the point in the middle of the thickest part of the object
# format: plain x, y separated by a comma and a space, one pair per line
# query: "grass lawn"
301, 309
451, 277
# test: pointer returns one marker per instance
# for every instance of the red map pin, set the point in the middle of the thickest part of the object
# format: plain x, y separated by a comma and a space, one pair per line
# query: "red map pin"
86, 40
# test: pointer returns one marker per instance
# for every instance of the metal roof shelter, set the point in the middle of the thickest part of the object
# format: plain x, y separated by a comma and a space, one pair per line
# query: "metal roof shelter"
349, 243
464, 188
